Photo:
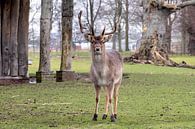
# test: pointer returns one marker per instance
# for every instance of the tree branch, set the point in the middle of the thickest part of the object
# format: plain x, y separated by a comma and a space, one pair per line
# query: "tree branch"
186, 3
97, 10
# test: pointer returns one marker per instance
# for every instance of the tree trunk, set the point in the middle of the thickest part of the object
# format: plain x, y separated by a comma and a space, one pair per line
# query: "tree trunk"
91, 15
14, 37
67, 16
118, 14
114, 41
45, 28
167, 44
91, 8
0, 40
127, 26
154, 35
191, 30
114, 20
184, 33
119, 38
15, 6
6, 38
23, 37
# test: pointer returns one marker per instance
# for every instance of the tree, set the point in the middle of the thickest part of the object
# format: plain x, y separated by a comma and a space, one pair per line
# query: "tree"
118, 14
14, 37
184, 21
6, 37
45, 28
168, 27
14, 33
191, 30
155, 15
56, 22
23, 37
67, 16
0, 41
92, 12
127, 25
111, 15
34, 38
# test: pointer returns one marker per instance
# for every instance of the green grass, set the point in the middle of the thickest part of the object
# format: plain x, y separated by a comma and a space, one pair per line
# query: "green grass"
152, 101
151, 97
188, 59
81, 63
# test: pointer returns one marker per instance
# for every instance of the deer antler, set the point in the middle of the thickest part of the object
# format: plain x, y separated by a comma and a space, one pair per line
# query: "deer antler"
82, 28
114, 30
80, 24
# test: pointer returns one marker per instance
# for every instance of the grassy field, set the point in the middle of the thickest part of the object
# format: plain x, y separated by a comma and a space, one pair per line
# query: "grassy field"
150, 97
81, 63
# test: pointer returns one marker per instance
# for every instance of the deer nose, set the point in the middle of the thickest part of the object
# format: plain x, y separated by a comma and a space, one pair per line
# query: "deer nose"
97, 49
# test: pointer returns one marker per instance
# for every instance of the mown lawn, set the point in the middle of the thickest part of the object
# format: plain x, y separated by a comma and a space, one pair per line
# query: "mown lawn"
150, 97
81, 63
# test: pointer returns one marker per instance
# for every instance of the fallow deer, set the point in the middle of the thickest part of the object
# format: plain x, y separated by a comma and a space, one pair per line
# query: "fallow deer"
106, 70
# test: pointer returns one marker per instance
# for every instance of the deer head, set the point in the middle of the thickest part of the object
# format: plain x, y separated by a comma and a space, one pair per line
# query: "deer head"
97, 42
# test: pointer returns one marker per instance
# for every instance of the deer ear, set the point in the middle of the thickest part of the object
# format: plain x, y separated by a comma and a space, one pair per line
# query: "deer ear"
89, 37
106, 38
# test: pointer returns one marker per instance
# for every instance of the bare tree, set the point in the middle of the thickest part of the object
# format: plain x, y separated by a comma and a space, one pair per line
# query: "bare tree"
56, 21
191, 30
92, 9
45, 28
119, 13
184, 21
156, 13
33, 22
127, 25
67, 16
169, 22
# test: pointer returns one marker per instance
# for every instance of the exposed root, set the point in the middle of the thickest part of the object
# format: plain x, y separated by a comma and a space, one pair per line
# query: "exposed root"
151, 52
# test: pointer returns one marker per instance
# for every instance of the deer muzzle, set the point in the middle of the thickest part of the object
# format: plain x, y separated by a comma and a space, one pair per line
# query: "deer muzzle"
98, 51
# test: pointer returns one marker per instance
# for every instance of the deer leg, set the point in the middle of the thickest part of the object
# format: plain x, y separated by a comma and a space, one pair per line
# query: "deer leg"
106, 105
97, 92
110, 90
116, 89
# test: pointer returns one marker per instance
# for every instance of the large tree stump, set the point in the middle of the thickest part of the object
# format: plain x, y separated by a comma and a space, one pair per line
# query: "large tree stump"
154, 36
151, 52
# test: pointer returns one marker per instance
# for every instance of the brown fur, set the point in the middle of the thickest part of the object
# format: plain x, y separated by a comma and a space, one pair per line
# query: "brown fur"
106, 72
106, 69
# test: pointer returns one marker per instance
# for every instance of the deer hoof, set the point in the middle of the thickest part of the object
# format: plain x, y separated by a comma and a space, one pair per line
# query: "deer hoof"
104, 116
95, 116
115, 116
112, 118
